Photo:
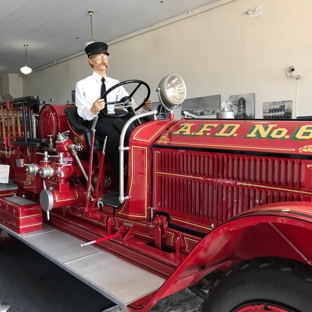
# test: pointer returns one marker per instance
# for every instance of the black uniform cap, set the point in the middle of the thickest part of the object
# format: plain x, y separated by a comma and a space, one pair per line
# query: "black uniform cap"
96, 47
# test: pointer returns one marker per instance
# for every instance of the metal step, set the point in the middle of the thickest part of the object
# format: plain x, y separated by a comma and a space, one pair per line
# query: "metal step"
111, 200
116, 279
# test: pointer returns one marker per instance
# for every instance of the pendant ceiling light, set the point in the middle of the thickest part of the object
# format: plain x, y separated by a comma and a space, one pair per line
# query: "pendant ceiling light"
25, 69
91, 37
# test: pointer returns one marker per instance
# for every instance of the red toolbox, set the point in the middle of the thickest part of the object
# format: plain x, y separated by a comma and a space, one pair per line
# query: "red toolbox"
20, 214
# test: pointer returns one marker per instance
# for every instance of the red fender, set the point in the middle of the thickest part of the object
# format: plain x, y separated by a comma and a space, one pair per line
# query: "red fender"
277, 230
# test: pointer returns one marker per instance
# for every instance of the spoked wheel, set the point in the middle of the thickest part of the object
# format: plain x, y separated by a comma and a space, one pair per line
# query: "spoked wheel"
275, 285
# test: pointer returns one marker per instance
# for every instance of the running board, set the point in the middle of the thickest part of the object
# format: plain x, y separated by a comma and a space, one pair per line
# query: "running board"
116, 279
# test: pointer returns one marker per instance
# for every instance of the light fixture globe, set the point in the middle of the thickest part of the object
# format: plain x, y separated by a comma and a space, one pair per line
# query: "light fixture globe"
171, 92
25, 69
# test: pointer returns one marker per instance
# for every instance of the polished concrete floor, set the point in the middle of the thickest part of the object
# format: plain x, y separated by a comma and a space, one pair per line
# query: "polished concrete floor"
31, 283
184, 301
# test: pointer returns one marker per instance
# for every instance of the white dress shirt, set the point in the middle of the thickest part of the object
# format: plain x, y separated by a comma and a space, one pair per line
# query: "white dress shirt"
88, 91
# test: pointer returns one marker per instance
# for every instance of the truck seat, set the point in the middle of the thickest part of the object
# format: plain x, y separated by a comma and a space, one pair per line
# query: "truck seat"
79, 132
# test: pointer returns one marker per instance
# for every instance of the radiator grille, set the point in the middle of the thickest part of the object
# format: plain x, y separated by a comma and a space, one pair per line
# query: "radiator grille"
219, 186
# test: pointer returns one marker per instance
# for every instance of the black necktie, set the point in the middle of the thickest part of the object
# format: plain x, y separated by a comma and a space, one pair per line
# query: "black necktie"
103, 89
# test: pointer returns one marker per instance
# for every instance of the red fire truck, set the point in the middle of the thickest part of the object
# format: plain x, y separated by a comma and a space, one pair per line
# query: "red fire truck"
223, 202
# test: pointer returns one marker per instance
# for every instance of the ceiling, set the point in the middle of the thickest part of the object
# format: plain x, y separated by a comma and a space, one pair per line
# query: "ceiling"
56, 29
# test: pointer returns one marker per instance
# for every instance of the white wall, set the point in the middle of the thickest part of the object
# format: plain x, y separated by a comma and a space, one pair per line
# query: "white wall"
220, 51
11, 86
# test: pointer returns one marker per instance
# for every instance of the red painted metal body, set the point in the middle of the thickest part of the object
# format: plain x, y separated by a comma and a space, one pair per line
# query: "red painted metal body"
52, 120
203, 195
21, 217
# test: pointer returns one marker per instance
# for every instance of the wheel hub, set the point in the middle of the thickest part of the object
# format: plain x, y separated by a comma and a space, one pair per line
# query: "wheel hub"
261, 307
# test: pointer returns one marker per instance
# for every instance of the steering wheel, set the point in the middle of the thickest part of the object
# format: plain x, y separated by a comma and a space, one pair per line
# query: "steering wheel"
125, 100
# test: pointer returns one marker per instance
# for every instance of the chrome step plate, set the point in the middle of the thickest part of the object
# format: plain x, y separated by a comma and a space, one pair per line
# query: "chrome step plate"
116, 279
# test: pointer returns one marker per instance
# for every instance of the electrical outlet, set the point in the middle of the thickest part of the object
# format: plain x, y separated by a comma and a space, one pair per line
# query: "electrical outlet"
256, 12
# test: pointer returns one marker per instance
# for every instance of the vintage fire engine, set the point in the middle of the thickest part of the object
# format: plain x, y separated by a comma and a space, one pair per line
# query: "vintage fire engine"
220, 202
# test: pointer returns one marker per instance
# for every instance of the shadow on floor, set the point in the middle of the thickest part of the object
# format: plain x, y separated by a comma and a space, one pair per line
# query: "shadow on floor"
31, 283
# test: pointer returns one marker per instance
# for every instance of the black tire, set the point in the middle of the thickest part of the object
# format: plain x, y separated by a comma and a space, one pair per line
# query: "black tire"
278, 283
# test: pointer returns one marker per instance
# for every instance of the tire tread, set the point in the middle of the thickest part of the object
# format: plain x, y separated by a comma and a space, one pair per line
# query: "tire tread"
296, 270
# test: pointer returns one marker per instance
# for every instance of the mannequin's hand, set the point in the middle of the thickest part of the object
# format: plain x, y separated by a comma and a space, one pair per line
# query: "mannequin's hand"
147, 105
97, 106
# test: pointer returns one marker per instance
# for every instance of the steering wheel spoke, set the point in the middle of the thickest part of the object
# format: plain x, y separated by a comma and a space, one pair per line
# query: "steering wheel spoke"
138, 86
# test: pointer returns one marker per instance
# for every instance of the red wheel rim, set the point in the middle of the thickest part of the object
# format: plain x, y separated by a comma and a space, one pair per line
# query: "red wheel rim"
262, 307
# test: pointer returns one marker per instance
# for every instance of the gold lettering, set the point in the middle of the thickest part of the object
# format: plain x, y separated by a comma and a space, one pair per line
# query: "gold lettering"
260, 131
304, 133
279, 133
205, 127
184, 130
227, 130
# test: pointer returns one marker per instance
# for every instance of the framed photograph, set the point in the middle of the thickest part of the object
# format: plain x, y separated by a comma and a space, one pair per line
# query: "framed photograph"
243, 105
277, 110
203, 106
